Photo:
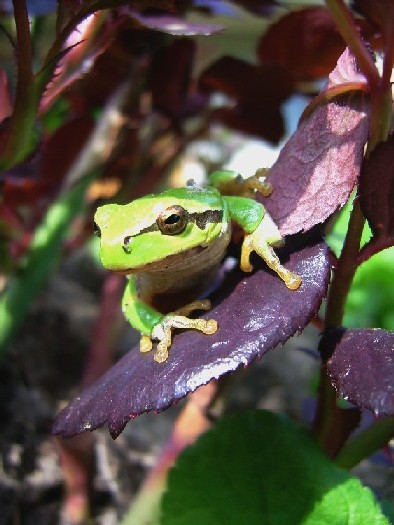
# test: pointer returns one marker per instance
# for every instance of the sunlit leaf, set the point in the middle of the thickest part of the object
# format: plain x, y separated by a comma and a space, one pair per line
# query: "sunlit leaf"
319, 166
260, 468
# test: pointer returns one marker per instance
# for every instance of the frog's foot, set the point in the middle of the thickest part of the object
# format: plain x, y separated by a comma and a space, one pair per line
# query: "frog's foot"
163, 331
177, 320
262, 241
231, 183
259, 183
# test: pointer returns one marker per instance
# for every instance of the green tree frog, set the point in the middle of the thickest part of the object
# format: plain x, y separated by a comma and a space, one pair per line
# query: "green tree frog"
172, 243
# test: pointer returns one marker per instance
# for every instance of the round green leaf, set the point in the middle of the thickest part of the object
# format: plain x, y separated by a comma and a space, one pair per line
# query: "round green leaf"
260, 468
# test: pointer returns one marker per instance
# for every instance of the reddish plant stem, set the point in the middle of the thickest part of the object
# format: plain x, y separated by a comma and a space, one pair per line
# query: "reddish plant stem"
76, 456
346, 268
381, 101
388, 59
100, 356
190, 424
328, 414
24, 107
348, 30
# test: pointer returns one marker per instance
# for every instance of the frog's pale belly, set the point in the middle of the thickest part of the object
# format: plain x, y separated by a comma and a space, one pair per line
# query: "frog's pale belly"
184, 270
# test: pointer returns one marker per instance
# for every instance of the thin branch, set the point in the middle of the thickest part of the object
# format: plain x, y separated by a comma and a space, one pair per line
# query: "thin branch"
346, 268
348, 30
366, 442
20, 131
327, 410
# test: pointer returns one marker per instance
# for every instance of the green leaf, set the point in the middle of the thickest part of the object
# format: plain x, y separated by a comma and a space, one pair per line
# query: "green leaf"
370, 303
260, 468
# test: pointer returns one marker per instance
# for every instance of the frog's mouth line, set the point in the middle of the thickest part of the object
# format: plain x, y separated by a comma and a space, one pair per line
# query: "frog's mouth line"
171, 262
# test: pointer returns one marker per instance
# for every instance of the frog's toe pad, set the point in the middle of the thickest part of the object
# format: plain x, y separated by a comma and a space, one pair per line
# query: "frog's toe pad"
209, 327
292, 281
161, 355
145, 344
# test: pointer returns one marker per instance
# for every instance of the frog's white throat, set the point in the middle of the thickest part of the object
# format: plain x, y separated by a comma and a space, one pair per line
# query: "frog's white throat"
184, 270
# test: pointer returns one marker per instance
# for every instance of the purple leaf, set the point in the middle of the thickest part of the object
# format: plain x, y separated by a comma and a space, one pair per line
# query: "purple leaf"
255, 313
345, 71
361, 367
258, 92
377, 196
319, 166
305, 42
175, 25
170, 80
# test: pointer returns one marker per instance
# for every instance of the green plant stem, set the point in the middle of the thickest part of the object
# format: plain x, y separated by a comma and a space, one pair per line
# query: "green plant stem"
348, 30
25, 105
46, 246
380, 122
365, 443
325, 421
41, 259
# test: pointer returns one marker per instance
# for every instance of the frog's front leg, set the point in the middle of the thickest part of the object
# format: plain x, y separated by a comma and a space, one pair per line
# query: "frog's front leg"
262, 240
155, 326
262, 236
163, 330
230, 182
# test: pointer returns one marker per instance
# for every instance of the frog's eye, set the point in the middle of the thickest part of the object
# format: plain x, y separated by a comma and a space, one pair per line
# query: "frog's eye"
96, 229
172, 220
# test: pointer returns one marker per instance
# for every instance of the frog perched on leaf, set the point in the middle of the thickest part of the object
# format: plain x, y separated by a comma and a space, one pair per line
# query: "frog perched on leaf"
174, 242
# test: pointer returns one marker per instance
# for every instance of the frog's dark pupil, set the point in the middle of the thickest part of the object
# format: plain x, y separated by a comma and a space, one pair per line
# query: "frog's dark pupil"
96, 229
173, 219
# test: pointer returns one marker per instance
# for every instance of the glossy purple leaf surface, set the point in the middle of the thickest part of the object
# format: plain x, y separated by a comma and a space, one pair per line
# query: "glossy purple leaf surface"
361, 367
319, 166
255, 313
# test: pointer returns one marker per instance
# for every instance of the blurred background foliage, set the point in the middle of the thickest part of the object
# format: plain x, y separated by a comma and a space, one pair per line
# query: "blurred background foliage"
370, 303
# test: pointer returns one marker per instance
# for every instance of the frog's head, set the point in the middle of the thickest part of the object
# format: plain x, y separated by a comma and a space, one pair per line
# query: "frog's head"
148, 230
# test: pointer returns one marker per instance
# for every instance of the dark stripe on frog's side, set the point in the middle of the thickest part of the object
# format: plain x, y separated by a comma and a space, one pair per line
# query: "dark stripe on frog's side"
206, 217
200, 219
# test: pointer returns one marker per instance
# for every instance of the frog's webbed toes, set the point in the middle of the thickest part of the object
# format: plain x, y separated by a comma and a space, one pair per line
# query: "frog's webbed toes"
163, 331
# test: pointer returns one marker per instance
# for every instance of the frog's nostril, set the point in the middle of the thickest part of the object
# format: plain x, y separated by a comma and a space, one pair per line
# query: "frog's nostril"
96, 229
127, 244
